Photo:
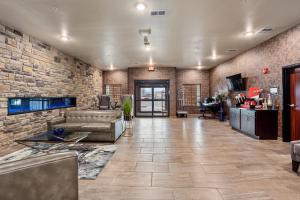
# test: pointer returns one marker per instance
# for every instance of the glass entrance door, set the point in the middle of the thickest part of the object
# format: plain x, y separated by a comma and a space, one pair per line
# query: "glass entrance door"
146, 100
152, 98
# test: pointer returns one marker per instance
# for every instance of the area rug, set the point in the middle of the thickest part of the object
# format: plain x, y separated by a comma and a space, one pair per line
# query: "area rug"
91, 158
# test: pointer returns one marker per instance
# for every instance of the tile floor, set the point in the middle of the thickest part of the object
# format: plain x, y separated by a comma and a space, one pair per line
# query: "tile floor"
192, 159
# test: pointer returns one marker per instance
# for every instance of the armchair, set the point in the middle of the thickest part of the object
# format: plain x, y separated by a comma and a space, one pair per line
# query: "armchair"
104, 102
52, 176
295, 155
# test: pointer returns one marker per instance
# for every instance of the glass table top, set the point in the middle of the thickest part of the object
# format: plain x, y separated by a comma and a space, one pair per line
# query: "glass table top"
51, 137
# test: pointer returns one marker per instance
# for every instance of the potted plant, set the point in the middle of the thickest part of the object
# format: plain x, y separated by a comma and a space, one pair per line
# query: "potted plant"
221, 98
127, 107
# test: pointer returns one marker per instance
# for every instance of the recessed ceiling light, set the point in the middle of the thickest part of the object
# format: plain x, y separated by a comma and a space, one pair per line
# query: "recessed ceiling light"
64, 38
140, 6
214, 55
249, 34
200, 67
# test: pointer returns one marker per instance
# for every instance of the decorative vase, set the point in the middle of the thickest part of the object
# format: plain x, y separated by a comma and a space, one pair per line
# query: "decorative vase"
127, 118
128, 126
58, 132
269, 102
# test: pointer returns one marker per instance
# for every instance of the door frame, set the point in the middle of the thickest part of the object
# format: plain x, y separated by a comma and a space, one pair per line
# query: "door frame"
158, 81
286, 110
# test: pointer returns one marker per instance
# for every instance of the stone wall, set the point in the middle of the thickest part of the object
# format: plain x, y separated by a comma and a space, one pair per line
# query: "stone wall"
117, 77
31, 68
280, 51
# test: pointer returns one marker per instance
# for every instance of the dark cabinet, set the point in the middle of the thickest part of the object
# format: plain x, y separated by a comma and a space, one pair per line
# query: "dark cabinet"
260, 124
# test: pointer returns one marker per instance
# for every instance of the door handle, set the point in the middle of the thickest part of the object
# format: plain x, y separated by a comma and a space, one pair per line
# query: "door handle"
292, 105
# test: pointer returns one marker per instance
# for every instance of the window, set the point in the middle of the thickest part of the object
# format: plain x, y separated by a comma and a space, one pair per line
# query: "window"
32, 104
114, 91
191, 94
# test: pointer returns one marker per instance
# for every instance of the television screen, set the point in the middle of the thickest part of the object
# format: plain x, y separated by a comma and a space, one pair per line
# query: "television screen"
235, 83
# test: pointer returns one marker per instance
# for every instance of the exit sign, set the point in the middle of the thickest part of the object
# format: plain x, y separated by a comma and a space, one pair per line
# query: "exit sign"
151, 68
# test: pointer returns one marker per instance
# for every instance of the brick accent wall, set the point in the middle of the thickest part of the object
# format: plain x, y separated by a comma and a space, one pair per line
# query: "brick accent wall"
177, 78
160, 73
31, 68
117, 77
279, 51
193, 76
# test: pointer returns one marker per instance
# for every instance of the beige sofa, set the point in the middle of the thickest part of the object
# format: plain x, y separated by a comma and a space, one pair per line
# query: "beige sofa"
52, 176
105, 126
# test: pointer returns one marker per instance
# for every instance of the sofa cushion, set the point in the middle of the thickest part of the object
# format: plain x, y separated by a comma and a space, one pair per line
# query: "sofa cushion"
51, 176
96, 127
297, 149
90, 116
69, 126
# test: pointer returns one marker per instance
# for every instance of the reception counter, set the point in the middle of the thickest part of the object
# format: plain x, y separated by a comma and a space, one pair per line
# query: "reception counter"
259, 124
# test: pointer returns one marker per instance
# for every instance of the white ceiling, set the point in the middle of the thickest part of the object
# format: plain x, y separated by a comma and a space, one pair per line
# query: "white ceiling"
105, 32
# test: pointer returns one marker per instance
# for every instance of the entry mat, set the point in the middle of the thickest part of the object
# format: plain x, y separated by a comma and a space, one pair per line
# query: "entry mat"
91, 158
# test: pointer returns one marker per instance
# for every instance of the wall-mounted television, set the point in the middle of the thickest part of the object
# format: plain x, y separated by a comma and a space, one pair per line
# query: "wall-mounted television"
235, 83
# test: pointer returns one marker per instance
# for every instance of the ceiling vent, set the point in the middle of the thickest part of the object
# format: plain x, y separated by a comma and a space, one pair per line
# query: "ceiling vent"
158, 12
266, 30
231, 50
